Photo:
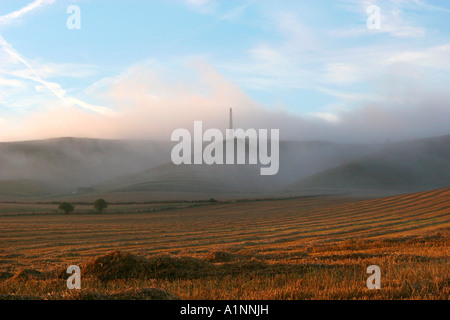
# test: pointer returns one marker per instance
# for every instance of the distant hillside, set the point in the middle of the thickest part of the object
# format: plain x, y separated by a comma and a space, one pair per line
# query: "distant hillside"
136, 169
400, 167
23, 189
68, 163
297, 160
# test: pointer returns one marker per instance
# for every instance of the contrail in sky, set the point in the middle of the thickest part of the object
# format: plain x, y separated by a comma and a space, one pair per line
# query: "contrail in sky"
10, 17
52, 86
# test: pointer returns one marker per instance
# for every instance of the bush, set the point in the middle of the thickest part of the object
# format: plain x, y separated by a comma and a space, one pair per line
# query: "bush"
66, 207
100, 205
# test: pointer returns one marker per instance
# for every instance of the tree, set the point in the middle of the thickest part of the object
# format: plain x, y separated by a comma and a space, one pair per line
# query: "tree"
66, 207
100, 205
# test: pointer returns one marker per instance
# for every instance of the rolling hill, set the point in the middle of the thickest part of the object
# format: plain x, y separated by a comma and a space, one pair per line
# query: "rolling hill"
66, 164
23, 189
400, 167
297, 160
139, 170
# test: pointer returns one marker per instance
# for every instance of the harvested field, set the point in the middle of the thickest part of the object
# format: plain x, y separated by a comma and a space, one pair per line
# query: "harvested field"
302, 248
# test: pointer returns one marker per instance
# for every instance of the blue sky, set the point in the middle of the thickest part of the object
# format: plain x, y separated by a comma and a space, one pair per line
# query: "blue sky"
315, 60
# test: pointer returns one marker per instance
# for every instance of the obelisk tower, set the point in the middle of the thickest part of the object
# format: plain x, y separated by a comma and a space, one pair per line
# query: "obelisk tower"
230, 135
231, 119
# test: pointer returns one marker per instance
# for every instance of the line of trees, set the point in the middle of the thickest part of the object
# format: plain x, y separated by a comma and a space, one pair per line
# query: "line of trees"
99, 205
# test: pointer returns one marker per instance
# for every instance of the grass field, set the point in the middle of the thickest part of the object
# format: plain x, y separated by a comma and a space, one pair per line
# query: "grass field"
299, 248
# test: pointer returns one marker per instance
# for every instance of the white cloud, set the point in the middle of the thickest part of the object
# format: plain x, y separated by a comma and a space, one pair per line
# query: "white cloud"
435, 57
10, 83
11, 17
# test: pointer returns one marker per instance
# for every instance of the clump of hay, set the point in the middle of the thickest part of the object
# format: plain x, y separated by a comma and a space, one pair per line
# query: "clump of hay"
59, 273
221, 256
169, 267
122, 265
28, 274
116, 265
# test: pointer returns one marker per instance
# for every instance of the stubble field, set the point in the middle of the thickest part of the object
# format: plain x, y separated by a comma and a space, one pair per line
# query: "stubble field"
299, 248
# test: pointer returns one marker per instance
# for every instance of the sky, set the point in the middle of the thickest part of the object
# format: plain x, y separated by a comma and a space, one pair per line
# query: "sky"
316, 70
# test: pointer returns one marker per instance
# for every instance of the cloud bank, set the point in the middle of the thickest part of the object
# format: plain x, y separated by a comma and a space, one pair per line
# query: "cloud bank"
149, 104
